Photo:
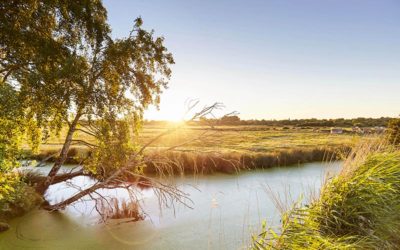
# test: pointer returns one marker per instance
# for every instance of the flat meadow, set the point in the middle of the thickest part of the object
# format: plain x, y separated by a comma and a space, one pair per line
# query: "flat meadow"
247, 139
239, 139
224, 148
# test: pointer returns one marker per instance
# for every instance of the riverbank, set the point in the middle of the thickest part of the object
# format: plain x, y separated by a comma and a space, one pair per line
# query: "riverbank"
176, 163
233, 162
357, 209
192, 162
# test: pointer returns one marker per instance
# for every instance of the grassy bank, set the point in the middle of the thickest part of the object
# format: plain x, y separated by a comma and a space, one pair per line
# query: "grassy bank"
357, 209
211, 162
188, 162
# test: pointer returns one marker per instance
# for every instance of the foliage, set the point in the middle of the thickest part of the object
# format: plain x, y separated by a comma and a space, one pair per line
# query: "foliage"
61, 60
230, 120
38, 51
357, 209
394, 131
11, 128
8, 182
16, 197
111, 153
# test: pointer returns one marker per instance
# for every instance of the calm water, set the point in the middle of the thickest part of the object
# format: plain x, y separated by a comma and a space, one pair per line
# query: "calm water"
227, 210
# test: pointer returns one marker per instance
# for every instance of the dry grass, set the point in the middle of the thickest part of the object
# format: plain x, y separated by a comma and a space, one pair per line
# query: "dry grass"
248, 139
241, 139
114, 209
207, 163
223, 149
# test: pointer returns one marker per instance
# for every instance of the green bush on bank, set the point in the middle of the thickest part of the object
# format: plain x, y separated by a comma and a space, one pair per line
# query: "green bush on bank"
16, 196
357, 209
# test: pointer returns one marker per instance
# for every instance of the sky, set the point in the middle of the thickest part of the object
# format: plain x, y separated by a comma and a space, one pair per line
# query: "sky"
275, 59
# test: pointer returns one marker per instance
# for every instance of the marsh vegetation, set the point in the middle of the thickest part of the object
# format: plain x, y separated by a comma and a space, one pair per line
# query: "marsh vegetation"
356, 209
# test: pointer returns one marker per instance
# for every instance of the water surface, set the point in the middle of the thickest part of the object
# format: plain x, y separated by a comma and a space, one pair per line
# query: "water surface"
227, 209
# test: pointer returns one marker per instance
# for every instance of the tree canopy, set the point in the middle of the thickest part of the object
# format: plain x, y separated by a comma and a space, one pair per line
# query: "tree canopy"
61, 65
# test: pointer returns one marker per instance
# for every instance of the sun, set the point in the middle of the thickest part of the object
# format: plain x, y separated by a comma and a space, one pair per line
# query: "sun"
172, 114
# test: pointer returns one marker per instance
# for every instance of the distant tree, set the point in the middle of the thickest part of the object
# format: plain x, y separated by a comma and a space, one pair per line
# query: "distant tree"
394, 131
230, 120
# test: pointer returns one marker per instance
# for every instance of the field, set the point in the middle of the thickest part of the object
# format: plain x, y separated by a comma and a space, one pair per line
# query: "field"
224, 148
240, 139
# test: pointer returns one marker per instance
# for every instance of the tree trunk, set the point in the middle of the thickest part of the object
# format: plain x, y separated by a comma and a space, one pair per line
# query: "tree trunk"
81, 194
62, 157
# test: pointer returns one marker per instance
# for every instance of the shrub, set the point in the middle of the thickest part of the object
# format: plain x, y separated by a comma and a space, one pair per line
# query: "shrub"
394, 131
16, 197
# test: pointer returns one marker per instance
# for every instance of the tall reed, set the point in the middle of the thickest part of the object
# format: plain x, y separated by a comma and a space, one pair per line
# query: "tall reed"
359, 208
232, 162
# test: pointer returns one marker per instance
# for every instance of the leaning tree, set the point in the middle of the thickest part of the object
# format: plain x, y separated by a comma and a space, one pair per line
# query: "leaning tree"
67, 70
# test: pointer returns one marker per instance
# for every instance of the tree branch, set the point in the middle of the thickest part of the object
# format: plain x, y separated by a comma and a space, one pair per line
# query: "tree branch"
86, 132
85, 143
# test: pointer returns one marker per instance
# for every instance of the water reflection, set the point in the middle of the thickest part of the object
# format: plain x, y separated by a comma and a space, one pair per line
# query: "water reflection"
227, 209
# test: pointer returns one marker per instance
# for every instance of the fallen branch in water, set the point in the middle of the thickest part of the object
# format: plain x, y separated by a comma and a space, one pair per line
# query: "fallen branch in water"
167, 194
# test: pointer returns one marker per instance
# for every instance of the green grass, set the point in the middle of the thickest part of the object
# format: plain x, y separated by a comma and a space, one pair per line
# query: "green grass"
360, 208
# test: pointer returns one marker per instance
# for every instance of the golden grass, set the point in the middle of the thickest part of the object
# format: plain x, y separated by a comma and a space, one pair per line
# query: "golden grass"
249, 139
223, 149
231, 162
114, 209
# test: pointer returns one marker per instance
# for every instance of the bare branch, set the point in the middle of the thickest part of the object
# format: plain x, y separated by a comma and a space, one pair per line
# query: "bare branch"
82, 142
86, 132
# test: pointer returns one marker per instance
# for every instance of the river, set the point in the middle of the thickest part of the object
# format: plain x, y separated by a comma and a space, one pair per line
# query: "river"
227, 210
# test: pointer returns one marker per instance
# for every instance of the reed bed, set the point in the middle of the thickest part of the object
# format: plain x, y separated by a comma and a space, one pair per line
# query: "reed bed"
233, 162
189, 162
115, 209
357, 209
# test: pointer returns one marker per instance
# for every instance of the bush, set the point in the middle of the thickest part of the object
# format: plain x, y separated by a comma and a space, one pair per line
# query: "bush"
394, 131
16, 197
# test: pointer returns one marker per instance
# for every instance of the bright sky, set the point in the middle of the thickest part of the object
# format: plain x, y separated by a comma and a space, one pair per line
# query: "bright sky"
275, 59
